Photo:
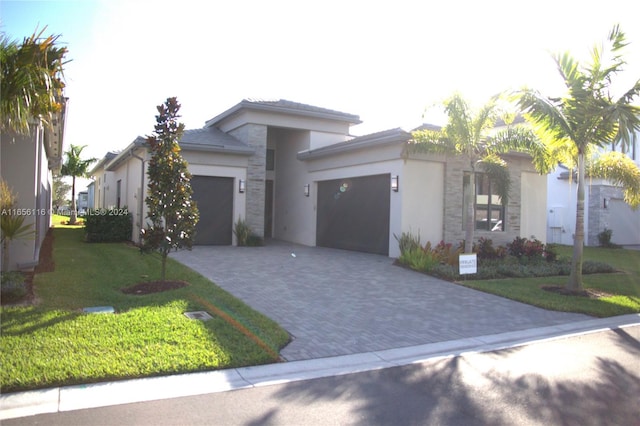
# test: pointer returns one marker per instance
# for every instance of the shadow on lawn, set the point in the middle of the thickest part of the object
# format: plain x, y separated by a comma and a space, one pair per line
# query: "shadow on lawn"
24, 321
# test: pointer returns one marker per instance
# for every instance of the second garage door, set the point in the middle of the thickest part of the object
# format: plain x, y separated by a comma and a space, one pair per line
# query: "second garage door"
214, 196
353, 214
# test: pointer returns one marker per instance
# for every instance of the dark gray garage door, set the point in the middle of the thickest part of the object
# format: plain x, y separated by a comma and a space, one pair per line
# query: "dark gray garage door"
214, 196
353, 214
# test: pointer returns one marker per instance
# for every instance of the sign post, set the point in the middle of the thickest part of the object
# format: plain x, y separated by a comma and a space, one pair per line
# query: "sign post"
468, 264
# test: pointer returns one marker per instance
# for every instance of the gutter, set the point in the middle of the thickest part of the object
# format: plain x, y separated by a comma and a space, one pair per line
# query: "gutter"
141, 200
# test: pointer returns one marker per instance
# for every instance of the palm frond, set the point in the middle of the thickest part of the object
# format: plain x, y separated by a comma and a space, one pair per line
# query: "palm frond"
496, 168
620, 170
546, 115
522, 139
430, 142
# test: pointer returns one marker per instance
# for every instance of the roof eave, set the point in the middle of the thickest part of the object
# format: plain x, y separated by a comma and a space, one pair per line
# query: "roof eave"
397, 136
218, 148
245, 104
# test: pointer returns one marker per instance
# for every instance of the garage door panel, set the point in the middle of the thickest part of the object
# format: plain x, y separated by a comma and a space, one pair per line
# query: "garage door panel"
353, 214
214, 196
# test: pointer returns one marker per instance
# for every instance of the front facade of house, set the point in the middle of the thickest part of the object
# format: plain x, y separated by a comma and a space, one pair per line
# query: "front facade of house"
294, 173
605, 207
26, 164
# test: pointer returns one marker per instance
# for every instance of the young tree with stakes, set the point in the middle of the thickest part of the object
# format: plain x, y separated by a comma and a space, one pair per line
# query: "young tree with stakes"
171, 210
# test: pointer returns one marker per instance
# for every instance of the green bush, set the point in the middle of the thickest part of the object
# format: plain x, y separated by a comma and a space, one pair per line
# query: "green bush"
12, 287
242, 230
604, 238
408, 242
594, 267
523, 247
108, 226
419, 259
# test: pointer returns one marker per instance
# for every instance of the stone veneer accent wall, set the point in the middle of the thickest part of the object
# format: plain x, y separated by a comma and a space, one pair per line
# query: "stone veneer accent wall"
453, 202
255, 135
599, 217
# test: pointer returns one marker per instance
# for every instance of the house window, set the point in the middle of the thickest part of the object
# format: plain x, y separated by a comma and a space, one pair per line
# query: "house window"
488, 208
271, 159
118, 192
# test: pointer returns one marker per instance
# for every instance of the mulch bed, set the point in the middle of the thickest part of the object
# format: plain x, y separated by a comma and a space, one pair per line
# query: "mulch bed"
153, 287
589, 293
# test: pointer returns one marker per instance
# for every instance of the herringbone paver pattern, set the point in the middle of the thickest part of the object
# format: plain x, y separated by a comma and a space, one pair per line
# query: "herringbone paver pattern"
336, 302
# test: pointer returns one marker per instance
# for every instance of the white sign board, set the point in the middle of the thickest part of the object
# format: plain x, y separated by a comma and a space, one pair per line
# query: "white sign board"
468, 264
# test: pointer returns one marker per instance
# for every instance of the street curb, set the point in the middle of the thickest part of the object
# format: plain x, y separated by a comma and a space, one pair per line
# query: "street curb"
78, 397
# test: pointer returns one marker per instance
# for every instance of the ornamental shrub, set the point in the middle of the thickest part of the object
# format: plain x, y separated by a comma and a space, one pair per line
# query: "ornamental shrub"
108, 226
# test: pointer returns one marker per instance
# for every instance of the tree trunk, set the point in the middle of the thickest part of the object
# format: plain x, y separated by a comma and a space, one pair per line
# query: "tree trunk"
575, 278
470, 223
164, 267
74, 213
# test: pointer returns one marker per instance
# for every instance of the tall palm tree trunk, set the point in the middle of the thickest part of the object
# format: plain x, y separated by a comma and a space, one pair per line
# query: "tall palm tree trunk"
74, 213
575, 277
470, 224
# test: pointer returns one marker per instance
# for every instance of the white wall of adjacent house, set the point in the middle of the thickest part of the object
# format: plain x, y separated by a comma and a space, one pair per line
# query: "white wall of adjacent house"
25, 169
561, 208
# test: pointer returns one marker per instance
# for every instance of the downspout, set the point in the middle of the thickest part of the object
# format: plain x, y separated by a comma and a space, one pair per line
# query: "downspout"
141, 198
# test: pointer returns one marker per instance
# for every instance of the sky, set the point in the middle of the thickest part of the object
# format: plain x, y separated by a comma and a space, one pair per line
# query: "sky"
386, 61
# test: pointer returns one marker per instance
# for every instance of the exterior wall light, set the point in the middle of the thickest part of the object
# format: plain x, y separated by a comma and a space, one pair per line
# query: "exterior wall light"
307, 189
242, 186
605, 203
395, 183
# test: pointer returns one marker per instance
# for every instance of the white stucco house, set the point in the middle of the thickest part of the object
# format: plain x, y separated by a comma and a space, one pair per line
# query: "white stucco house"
27, 164
605, 207
295, 173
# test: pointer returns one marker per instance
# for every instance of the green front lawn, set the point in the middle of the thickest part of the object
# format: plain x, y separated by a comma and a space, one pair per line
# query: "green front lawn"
622, 289
54, 343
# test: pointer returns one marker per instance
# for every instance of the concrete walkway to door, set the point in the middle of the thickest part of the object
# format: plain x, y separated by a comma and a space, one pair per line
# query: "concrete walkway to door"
336, 302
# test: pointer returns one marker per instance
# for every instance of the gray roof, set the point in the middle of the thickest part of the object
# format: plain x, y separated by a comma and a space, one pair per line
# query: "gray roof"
286, 107
213, 140
104, 161
386, 137
427, 126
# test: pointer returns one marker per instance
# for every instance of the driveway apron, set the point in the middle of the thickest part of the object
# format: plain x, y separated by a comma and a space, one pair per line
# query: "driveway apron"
336, 302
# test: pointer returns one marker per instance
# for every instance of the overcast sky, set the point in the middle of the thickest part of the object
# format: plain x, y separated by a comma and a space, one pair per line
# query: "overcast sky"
385, 61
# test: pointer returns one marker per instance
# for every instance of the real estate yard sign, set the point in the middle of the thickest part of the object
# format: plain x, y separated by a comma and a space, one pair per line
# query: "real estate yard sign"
468, 264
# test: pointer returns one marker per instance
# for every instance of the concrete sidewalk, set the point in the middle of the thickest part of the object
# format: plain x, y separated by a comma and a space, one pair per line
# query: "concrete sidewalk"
130, 391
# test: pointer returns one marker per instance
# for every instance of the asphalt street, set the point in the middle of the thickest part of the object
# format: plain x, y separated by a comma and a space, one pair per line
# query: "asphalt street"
585, 379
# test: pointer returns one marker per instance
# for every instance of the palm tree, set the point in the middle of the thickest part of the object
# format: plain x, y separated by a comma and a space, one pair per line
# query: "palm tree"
587, 118
75, 167
12, 225
472, 135
31, 83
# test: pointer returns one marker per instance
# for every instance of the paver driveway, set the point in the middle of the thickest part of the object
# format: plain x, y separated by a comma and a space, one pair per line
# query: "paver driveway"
336, 302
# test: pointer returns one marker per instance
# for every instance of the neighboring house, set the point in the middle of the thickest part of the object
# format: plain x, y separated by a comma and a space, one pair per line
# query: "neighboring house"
82, 202
604, 203
102, 180
91, 195
294, 173
27, 164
